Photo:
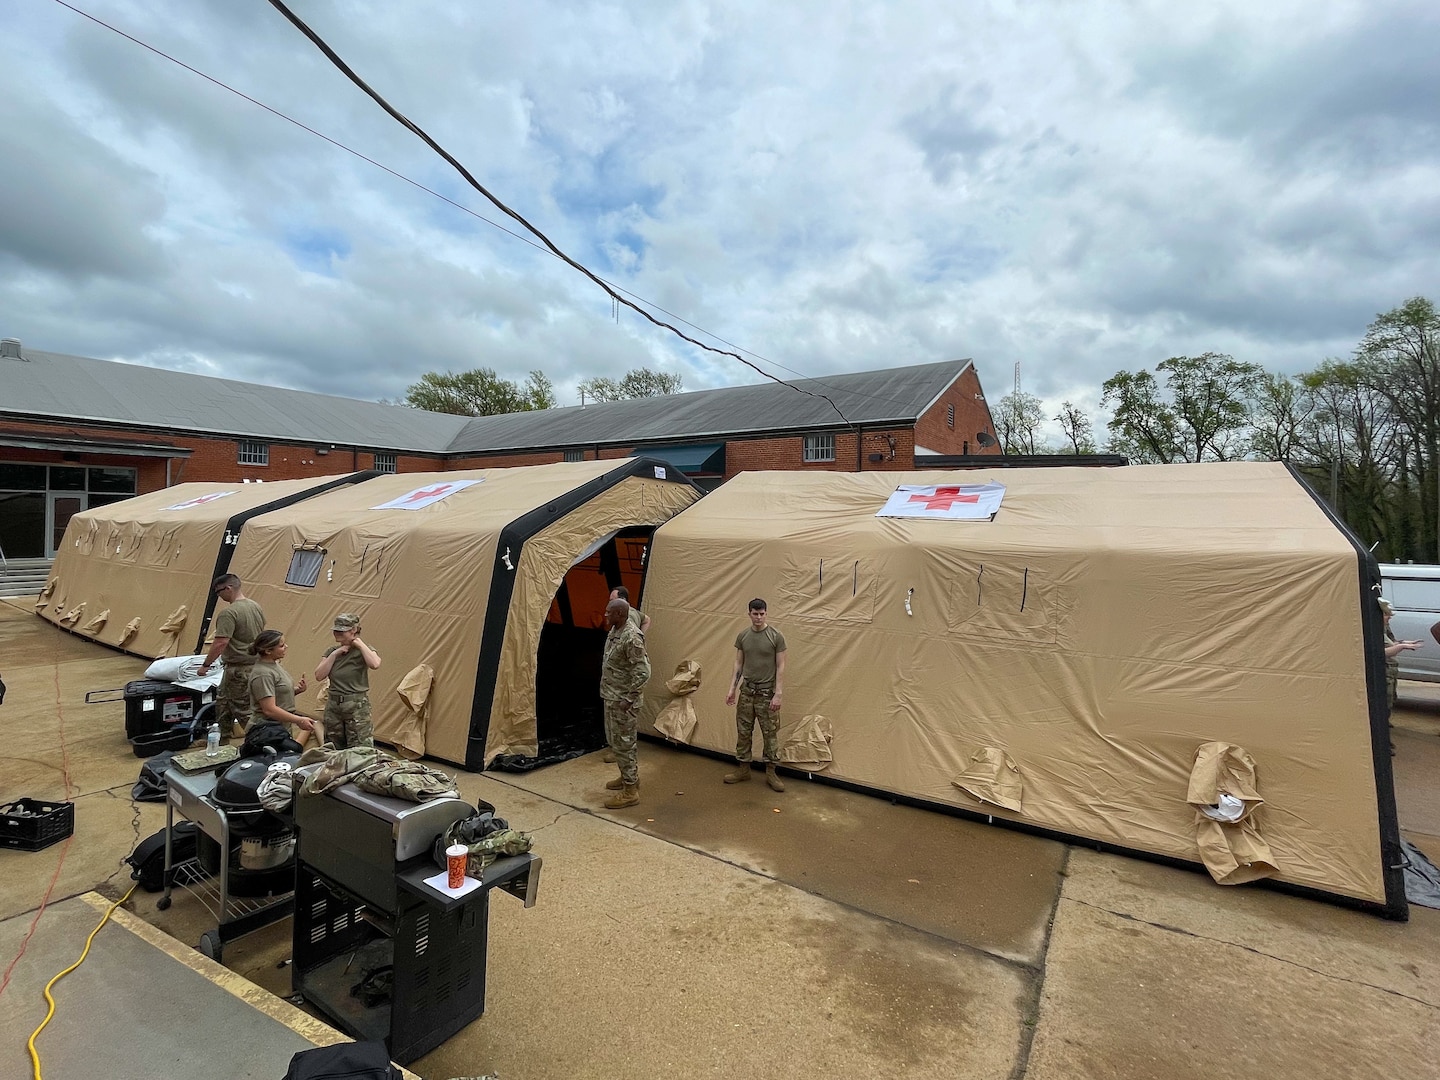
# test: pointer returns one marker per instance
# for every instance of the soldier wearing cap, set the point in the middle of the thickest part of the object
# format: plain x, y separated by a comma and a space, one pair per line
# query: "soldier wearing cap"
347, 664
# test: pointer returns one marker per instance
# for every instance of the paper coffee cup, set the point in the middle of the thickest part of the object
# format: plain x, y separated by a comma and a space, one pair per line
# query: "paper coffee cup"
456, 856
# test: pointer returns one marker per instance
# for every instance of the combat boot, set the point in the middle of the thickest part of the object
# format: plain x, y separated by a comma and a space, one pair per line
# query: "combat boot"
616, 784
628, 795
608, 757
773, 779
740, 775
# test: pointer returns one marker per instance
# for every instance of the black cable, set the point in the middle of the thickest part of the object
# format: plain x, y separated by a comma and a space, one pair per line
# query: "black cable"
605, 283
615, 296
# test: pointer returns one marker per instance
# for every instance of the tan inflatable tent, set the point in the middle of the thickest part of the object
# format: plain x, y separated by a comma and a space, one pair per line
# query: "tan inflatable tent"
468, 584
136, 574
1106, 658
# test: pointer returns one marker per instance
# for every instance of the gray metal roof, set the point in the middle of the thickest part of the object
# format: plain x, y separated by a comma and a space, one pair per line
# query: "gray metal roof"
78, 388
56, 385
892, 396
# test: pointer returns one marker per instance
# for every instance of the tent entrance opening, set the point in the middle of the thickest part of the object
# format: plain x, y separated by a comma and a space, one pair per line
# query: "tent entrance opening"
570, 719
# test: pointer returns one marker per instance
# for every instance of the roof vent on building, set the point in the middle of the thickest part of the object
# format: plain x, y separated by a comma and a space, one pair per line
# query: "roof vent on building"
10, 349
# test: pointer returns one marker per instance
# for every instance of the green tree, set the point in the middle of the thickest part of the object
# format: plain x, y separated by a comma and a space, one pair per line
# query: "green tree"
1079, 432
636, 383
480, 392
1400, 355
1283, 407
540, 391
1017, 422
1143, 427
1202, 414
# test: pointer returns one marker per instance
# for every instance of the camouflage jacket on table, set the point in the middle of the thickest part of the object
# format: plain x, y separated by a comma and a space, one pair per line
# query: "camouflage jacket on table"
375, 772
626, 668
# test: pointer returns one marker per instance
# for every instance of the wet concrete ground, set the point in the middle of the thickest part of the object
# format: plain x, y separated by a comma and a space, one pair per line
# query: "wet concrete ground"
723, 930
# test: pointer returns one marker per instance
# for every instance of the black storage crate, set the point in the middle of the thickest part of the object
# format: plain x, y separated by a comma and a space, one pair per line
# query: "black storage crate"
155, 705
31, 824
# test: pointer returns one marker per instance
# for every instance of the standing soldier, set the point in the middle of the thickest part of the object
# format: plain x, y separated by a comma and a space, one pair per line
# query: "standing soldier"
759, 679
641, 622
623, 675
236, 629
347, 664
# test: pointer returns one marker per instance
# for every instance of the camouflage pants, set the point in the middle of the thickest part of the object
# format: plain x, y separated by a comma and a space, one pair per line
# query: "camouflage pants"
620, 726
347, 721
232, 699
753, 707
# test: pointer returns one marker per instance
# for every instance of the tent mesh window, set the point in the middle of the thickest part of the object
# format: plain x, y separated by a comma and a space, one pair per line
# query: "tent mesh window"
305, 566
819, 448
252, 453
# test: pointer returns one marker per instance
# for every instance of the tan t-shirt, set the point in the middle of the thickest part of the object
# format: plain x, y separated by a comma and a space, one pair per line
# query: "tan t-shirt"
269, 679
241, 622
348, 675
761, 649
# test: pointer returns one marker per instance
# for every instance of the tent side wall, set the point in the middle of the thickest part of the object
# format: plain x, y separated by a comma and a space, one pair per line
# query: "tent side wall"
236, 524
1098, 657
542, 546
144, 558
1396, 904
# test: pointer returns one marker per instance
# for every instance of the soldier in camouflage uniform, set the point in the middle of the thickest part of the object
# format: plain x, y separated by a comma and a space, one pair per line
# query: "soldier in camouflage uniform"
347, 664
623, 675
641, 622
759, 683
1393, 649
236, 629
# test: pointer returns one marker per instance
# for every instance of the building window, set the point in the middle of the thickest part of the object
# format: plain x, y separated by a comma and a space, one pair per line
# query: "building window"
253, 453
950, 415
574, 455
819, 448
384, 462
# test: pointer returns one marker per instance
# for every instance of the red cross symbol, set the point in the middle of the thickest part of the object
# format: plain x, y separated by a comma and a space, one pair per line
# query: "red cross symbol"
944, 498
426, 493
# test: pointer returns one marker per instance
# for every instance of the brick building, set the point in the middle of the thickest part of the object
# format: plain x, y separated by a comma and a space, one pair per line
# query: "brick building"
77, 432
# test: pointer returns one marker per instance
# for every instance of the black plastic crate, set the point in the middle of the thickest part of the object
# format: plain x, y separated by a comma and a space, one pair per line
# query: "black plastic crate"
32, 824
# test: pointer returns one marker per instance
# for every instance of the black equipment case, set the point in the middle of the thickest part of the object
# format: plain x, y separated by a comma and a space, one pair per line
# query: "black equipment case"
153, 705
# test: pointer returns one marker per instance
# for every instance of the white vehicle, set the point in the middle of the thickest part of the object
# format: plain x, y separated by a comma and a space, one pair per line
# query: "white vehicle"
1414, 592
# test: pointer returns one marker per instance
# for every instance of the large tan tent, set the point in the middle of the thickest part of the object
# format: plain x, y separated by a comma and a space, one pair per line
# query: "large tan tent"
476, 588
1179, 660
136, 574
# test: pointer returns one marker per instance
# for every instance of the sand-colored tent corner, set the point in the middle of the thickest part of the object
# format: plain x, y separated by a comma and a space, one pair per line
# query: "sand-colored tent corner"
1081, 646
150, 556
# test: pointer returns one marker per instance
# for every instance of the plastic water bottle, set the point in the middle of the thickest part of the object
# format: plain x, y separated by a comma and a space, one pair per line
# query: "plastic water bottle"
212, 741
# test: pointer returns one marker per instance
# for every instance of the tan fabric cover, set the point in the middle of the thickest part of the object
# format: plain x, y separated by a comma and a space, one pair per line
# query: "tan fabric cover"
677, 719
992, 778
71, 617
806, 742
95, 625
420, 582
1233, 852
128, 633
1105, 624
137, 556
405, 730
43, 600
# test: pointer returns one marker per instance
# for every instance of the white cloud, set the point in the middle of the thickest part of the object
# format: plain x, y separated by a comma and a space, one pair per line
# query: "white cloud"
1081, 187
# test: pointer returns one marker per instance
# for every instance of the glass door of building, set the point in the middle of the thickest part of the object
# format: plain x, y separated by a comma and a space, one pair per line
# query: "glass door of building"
61, 507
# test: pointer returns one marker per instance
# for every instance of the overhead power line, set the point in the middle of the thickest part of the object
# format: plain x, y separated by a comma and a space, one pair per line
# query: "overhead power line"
404, 121
612, 289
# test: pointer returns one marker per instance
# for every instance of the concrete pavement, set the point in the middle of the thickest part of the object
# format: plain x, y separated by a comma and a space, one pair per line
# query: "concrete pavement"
717, 930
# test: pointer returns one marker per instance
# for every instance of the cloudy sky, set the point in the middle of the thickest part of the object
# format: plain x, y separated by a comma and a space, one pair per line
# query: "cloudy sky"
840, 186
